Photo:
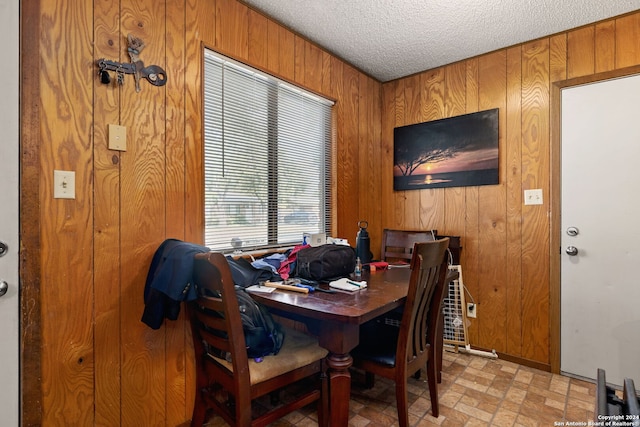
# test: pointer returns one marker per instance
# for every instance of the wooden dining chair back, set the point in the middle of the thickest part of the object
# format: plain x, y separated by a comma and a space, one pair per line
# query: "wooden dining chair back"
227, 381
397, 245
397, 249
399, 352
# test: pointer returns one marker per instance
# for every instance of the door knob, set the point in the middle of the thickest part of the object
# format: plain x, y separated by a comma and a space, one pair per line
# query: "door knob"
572, 251
4, 287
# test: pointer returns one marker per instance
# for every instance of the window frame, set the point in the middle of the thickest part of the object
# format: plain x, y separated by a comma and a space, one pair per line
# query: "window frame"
327, 203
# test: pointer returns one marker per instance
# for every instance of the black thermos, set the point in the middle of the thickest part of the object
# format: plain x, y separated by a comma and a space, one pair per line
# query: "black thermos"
363, 249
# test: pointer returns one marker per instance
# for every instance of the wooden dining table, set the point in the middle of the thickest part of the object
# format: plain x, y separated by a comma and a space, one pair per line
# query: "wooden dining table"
336, 318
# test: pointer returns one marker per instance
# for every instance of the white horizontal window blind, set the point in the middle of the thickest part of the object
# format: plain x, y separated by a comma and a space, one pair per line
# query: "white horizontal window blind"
267, 147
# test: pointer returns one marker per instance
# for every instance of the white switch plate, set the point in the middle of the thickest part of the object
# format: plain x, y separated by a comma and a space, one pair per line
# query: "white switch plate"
64, 184
533, 197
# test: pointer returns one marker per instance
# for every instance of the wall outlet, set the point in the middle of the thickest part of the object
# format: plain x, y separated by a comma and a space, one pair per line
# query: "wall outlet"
471, 310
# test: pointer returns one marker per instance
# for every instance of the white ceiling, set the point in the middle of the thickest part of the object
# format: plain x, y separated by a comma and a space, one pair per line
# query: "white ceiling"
389, 39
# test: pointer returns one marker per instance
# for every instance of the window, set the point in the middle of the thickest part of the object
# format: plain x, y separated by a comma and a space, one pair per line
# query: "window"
267, 149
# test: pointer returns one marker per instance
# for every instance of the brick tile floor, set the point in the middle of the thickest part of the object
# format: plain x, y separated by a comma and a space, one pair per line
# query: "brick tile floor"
475, 391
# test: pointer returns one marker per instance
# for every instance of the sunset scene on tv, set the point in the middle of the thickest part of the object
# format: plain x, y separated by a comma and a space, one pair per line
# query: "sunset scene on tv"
452, 152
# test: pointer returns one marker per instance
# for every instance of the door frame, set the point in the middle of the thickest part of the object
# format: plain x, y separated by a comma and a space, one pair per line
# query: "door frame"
555, 251
30, 275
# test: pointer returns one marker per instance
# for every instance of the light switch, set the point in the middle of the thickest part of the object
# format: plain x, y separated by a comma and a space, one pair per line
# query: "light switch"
117, 137
64, 184
533, 197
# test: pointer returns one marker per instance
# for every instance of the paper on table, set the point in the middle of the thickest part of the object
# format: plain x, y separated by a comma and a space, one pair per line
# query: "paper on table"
348, 285
258, 288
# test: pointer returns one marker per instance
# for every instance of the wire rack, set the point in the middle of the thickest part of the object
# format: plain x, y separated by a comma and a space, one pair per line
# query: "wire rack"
455, 313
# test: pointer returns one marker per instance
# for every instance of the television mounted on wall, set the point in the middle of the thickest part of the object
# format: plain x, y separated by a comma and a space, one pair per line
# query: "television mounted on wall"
452, 152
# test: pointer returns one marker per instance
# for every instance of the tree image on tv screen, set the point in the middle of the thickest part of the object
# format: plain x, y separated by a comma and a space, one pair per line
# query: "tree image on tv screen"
452, 152
409, 157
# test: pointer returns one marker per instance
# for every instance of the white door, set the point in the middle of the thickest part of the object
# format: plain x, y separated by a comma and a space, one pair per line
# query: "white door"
600, 184
9, 324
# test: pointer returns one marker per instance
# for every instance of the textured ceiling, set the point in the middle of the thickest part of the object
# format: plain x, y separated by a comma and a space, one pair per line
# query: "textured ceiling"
389, 39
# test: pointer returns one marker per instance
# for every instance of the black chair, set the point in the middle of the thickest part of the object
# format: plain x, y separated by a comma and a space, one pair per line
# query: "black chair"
399, 352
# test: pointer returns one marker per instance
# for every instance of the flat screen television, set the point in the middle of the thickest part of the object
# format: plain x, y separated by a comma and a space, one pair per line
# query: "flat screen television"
452, 152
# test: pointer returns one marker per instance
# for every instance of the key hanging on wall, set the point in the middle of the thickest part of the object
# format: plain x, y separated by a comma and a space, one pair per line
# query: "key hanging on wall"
154, 74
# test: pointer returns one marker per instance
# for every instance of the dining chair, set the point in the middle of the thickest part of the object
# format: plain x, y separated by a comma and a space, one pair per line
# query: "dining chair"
397, 250
399, 352
227, 381
397, 245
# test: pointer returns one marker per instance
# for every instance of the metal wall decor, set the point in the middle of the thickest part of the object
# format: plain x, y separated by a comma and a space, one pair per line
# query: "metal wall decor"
153, 73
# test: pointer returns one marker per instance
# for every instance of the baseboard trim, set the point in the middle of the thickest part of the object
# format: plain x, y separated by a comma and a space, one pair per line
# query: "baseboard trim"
520, 360
525, 362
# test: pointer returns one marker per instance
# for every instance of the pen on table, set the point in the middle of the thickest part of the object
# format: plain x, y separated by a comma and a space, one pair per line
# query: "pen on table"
351, 282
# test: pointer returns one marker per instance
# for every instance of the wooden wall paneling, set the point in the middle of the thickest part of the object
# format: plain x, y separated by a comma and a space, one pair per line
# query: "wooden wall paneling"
175, 66
580, 51
413, 115
412, 100
313, 69
432, 94
66, 92
558, 57
232, 28
513, 177
454, 89
453, 211
200, 24
627, 40
399, 197
109, 44
387, 123
258, 39
369, 204
199, 27
287, 54
204, 29
272, 46
605, 46
299, 50
348, 158
364, 145
327, 76
492, 279
535, 174
470, 259
143, 198
337, 150
178, 402
376, 189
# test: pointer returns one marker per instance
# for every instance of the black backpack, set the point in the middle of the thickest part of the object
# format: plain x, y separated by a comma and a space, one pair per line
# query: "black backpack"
325, 262
263, 336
